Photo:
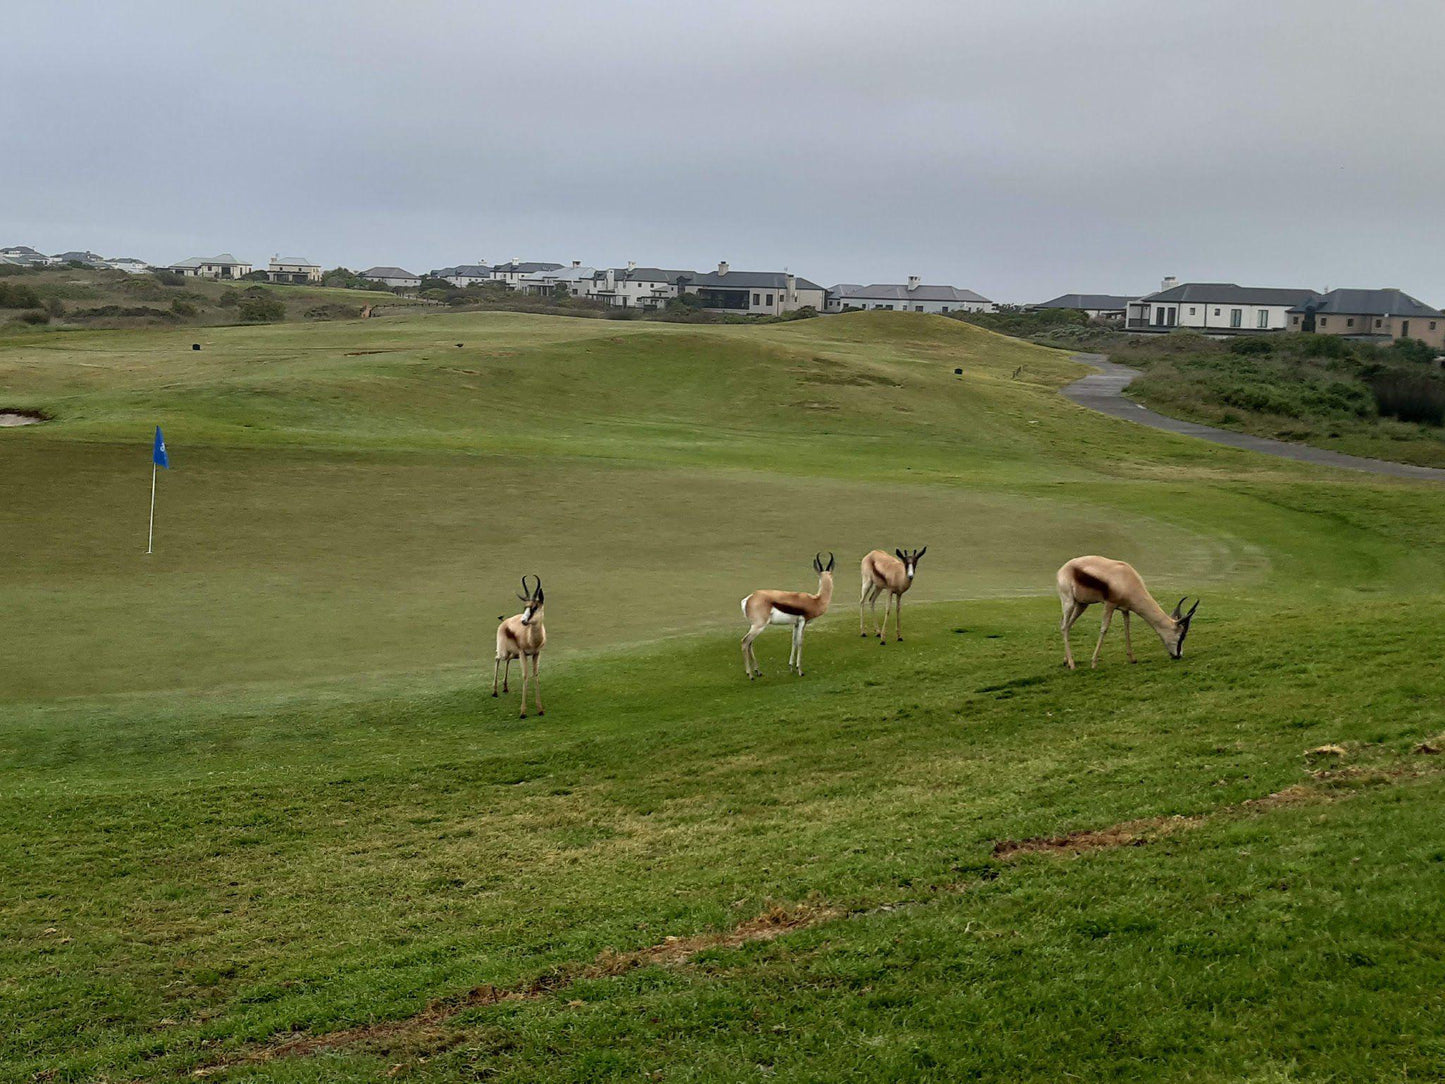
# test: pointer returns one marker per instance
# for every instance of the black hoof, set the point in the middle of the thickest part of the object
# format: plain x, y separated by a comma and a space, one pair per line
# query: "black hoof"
494, 692
541, 712
522, 716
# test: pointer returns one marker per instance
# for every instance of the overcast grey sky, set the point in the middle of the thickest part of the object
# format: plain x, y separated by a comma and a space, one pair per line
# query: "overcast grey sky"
1019, 148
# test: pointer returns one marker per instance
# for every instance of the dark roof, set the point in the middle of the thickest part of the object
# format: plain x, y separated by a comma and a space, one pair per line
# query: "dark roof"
896, 291
525, 268
654, 274
749, 280
1087, 301
387, 273
1227, 293
470, 270
1389, 302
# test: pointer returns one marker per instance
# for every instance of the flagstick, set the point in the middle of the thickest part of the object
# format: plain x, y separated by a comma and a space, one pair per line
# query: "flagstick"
150, 538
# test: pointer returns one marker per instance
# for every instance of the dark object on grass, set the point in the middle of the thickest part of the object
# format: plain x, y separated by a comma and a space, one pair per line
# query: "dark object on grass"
958, 372
459, 345
195, 346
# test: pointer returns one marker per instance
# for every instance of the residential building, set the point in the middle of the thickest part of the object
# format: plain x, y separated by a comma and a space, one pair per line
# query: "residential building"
1215, 308
90, 259
634, 287
757, 293
512, 271
577, 279
1379, 315
297, 270
394, 277
128, 264
463, 275
224, 266
25, 255
912, 296
1095, 306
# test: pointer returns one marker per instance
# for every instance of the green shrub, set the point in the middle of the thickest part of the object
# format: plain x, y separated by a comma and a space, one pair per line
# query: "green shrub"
34, 316
15, 296
1411, 397
182, 308
169, 278
1251, 344
261, 310
230, 298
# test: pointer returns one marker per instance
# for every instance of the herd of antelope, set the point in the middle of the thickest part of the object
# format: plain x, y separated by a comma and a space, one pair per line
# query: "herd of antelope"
1081, 582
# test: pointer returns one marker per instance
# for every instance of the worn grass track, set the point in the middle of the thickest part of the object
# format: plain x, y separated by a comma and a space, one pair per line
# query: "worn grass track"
255, 793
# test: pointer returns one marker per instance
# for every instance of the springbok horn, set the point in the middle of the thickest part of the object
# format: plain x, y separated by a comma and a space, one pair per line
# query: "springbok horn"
1178, 608
525, 596
537, 591
1192, 609
830, 560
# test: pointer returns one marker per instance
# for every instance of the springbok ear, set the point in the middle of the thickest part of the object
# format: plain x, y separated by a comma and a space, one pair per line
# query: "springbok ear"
920, 553
899, 554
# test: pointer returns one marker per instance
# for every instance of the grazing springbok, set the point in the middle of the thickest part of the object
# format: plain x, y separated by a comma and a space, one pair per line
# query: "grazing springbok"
522, 637
894, 575
795, 608
1087, 580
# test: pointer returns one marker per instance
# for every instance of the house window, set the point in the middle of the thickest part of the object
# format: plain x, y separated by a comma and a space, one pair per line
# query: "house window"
1377, 323
1216, 312
1294, 319
1323, 321
1191, 310
1236, 317
757, 299
917, 308
1263, 318
1350, 322
770, 299
1404, 329
1432, 325
945, 309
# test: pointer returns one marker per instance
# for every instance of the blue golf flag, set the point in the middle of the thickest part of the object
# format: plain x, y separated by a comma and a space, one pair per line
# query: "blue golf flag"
158, 455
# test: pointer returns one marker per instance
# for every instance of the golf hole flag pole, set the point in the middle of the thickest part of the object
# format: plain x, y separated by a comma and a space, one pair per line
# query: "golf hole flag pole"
158, 459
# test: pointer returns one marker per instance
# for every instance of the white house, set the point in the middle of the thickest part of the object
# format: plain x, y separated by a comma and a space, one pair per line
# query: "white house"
224, 266
756, 293
394, 277
293, 269
577, 279
636, 287
463, 275
128, 264
1221, 308
912, 296
512, 271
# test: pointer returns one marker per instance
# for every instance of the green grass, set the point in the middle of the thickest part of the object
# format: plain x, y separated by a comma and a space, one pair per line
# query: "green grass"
254, 785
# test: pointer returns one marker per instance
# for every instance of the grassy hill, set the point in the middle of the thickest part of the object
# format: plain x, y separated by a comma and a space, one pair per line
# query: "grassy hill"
263, 822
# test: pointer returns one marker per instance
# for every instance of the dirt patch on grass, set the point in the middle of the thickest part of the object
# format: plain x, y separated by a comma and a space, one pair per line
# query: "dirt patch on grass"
427, 1028
1126, 834
10, 417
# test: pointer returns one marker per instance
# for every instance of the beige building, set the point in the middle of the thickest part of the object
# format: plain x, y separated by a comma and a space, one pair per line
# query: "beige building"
293, 269
224, 266
1377, 315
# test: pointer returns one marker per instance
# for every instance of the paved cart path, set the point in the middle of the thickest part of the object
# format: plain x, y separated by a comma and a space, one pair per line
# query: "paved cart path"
1104, 391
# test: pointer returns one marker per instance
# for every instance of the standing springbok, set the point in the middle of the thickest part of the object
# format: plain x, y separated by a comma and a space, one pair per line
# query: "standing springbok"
795, 608
1087, 580
894, 575
522, 637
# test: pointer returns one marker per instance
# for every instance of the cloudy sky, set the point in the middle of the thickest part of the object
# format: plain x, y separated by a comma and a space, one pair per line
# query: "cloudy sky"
1017, 147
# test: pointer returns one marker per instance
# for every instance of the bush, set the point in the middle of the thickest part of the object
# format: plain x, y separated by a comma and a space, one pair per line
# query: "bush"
1251, 344
332, 312
1411, 397
15, 296
1415, 350
230, 298
182, 308
255, 276
34, 316
1312, 345
169, 278
261, 310
55, 306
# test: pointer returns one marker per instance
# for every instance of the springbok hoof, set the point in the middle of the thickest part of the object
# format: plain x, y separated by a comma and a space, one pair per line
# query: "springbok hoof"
541, 712
522, 716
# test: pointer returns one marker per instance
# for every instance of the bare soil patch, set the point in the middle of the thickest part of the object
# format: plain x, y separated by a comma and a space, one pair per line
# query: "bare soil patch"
10, 417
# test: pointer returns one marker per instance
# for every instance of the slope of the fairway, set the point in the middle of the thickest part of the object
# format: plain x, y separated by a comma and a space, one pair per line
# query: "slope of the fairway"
254, 787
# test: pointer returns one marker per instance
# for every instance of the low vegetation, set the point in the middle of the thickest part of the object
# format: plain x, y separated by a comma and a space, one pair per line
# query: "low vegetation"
263, 821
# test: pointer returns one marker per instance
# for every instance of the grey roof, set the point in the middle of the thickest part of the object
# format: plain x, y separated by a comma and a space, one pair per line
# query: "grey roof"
654, 274
1087, 301
300, 261
893, 291
386, 273
1227, 293
748, 280
465, 270
1387, 302
21, 250
79, 257
196, 261
514, 268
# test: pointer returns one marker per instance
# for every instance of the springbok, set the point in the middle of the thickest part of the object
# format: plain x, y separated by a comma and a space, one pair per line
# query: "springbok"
1087, 580
795, 608
894, 575
522, 637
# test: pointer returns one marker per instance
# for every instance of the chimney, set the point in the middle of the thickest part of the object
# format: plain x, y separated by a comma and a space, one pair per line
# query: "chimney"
1169, 283
576, 263
722, 267
913, 282
632, 265
792, 287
